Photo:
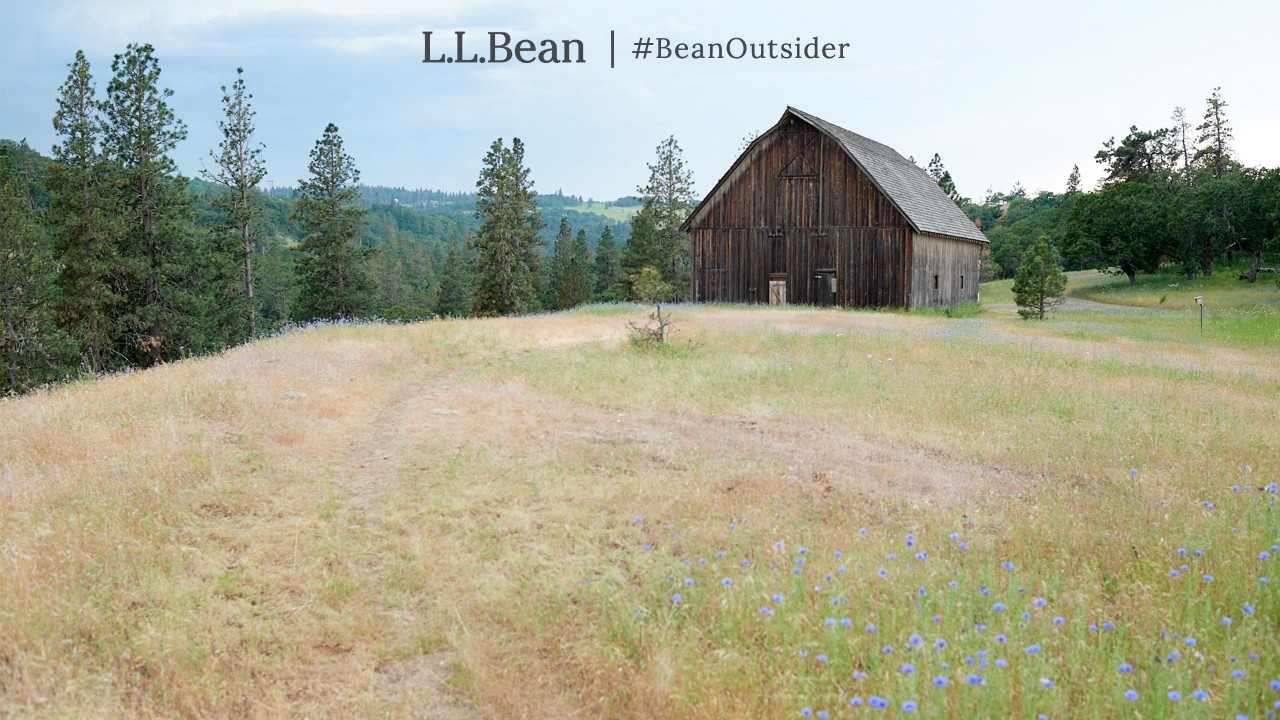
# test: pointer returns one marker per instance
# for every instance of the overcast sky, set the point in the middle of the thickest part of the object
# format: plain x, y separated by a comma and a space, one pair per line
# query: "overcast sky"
1005, 91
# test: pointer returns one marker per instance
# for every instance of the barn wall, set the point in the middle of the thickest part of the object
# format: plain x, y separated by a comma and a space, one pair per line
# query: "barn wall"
799, 207
939, 266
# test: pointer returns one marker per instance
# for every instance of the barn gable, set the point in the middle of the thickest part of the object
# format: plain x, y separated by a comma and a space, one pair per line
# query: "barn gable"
812, 213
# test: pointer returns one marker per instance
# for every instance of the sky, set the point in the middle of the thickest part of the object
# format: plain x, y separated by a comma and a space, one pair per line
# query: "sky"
1004, 92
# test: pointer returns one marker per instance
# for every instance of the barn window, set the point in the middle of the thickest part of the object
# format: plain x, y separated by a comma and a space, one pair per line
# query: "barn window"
961, 282
935, 282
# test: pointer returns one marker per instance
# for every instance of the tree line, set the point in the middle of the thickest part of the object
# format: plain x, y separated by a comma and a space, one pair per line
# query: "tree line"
1173, 196
114, 260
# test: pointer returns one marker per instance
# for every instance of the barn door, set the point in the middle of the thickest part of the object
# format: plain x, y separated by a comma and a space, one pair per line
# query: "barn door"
824, 287
778, 290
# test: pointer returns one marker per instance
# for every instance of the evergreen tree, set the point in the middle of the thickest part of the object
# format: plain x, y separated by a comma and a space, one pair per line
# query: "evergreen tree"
1215, 137
669, 197
1039, 285
157, 268
578, 279
558, 277
506, 246
455, 282
606, 270
1073, 180
1180, 128
643, 248
335, 283
239, 169
80, 241
30, 345
942, 176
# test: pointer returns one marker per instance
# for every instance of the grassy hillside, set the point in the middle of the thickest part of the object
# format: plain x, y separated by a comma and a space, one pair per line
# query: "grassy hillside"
788, 511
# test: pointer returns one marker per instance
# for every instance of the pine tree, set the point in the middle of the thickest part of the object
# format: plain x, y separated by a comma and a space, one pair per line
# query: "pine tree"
606, 270
455, 282
1180, 128
942, 176
669, 196
1073, 180
643, 248
1039, 284
80, 241
506, 246
578, 280
239, 169
30, 344
558, 276
1215, 137
335, 283
157, 269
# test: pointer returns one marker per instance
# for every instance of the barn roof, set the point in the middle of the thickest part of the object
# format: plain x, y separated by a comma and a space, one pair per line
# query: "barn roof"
908, 186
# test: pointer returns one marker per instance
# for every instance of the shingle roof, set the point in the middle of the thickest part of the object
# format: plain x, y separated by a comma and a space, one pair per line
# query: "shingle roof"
916, 194
908, 186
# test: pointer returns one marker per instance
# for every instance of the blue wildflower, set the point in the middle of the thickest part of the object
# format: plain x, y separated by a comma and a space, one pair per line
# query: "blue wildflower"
939, 682
1237, 674
1200, 694
1059, 620
1001, 638
973, 679
806, 712
1226, 620
859, 675
871, 628
1131, 695
998, 607
688, 582
1175, 696
1033, 648
940, 643
877, 702
855, 701
1124, 668
1046, 682
677, 598
1001, 662
822, 657
726, 582
906, 668
886, 649
908, 706
1247, 608
1108, 625
914, 639
1007, 565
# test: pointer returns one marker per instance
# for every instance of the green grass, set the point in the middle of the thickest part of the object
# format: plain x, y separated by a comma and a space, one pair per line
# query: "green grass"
613, 212
1222, 290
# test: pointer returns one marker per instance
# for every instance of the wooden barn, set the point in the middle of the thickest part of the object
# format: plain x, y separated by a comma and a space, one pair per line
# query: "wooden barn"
814, 214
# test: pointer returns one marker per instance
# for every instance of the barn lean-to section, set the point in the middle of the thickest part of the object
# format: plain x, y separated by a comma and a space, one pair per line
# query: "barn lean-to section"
814, 214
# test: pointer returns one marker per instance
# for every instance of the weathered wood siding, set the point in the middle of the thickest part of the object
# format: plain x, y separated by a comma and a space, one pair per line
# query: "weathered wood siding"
944, 271
797, 206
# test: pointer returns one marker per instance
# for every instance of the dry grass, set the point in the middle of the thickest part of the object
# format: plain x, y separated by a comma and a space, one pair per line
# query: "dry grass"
398, 521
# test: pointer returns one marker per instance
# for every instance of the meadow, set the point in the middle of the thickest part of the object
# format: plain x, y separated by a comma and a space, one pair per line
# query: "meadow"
786, 512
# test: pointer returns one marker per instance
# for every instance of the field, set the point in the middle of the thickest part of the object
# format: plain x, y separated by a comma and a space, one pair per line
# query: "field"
615, 213
784, 513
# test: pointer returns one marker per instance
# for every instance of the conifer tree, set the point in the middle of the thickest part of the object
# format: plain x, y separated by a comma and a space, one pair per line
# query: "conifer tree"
1039, 284
606, 268
505, 248
238, 170
455, 282
669, 197
578, 280
1073, 180
80, 240
558, 280
1215, 137
643, 248
335, 282
30, 345
157, 267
